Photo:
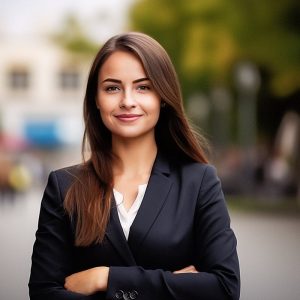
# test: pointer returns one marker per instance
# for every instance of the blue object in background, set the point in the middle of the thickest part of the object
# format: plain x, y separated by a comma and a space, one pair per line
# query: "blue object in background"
42, 133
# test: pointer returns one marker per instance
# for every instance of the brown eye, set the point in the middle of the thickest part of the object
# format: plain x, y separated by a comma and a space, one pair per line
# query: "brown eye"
112, 89
143, 87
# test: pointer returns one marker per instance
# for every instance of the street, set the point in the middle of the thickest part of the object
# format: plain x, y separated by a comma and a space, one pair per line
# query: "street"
269, 253
268, 247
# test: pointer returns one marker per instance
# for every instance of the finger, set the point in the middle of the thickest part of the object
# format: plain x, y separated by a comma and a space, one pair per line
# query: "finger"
181, 270
188, 269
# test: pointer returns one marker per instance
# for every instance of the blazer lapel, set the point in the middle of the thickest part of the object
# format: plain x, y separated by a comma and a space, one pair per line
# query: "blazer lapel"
115, 235
156, 193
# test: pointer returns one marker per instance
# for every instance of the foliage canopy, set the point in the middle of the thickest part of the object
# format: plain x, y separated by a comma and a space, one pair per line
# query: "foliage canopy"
206, 38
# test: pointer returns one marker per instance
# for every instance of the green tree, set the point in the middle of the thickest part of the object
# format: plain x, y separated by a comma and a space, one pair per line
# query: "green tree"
74, 39
205, 38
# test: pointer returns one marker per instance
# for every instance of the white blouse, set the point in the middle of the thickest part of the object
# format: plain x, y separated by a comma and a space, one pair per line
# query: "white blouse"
127, 217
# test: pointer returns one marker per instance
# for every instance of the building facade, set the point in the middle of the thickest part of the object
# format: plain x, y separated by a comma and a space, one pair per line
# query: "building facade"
41, 92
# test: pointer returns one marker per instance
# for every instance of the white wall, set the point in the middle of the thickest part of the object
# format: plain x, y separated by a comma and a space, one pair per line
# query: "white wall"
44, 99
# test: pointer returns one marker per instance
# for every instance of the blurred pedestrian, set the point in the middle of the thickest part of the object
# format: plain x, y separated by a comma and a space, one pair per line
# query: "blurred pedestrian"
6, 190
19, 178
144, 216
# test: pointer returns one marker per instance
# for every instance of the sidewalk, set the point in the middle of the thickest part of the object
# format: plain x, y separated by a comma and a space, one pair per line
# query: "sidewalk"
268, 246
269, 253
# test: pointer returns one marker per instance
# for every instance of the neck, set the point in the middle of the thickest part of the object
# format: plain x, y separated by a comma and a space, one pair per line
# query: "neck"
134, 156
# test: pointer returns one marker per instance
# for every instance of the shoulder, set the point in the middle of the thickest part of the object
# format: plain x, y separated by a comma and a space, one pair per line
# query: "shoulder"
199, 176
196, 170
184, 166
63, 178
202, 179
68, 173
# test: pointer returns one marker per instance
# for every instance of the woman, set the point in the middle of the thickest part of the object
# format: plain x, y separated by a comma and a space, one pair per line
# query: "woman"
144, 217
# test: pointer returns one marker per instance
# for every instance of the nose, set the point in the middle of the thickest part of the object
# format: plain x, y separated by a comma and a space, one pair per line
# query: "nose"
127, 100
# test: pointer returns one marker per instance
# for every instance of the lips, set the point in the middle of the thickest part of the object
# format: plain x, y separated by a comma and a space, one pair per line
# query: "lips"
128, 117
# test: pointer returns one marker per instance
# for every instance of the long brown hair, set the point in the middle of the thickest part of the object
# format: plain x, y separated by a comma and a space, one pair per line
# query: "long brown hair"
89, 197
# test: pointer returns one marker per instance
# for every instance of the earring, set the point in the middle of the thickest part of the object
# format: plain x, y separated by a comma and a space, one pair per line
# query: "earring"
163, 104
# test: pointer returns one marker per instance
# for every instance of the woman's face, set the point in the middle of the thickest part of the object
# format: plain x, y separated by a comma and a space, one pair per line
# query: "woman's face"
128, 104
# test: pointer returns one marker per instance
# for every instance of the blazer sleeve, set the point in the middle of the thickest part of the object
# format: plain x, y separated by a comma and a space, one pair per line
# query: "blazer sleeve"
215, 252
52, 251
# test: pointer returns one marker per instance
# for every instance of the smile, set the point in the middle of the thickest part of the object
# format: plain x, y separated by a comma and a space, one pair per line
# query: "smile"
128, 117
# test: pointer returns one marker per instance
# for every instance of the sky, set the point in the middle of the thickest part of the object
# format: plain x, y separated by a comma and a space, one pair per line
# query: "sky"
102, 18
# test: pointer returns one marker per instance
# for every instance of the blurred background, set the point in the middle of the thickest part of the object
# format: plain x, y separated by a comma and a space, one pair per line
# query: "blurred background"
239, 67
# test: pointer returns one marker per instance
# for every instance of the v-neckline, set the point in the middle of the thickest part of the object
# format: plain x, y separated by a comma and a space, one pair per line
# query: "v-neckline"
119, 198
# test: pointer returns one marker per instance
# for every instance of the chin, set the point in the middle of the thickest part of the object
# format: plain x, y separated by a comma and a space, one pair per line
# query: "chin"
133, 135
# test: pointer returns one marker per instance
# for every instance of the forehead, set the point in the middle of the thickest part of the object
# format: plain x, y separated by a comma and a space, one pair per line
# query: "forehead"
121, 63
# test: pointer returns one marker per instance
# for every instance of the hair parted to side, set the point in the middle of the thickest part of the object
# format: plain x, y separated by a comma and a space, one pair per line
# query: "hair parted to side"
88, 199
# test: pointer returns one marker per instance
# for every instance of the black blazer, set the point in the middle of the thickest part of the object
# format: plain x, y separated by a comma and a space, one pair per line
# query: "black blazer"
183, 220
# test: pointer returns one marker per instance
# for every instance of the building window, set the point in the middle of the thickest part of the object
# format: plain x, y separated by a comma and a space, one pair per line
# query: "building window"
69, 80
18, 79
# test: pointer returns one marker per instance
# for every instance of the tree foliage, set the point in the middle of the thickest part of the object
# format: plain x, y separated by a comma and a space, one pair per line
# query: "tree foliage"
74, 39
206, 38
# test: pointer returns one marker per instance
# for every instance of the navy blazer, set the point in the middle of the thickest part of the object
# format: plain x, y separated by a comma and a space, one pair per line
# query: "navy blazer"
182, 221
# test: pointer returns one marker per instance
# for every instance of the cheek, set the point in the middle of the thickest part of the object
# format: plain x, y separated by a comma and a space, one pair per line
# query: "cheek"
104, 108
106, 120
156, 110
105, 116
151, 105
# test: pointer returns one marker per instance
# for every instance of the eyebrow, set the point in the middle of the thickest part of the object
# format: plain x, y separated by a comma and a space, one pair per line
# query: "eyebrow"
119, 81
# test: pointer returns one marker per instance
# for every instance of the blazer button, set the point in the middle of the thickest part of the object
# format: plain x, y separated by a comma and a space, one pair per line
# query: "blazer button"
119, 294
133, 294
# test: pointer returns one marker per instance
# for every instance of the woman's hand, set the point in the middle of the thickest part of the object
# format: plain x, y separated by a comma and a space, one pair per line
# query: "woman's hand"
89, 281
189, 269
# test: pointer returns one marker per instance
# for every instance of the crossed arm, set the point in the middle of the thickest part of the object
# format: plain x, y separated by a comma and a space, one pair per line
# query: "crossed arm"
51, 262
95, 280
